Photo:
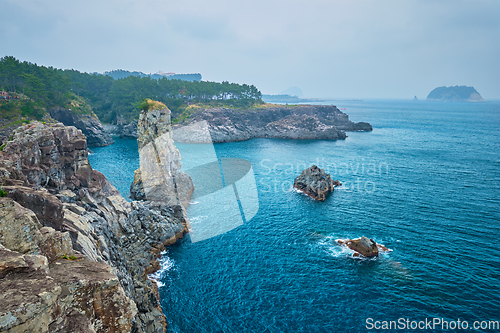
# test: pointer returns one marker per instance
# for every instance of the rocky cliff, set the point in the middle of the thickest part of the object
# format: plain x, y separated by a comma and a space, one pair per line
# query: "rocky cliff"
90, 126
123, 131
159, 177
75, 255
271, 121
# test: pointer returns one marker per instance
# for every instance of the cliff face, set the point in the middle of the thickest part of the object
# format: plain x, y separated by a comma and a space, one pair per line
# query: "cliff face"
90, 126
65, 229
159, 177
286, 122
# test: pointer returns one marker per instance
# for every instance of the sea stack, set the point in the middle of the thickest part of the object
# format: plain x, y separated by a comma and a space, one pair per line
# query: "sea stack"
315, 182
159, 177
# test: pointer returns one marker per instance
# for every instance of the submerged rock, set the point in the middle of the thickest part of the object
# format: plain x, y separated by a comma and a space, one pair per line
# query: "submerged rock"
315, 182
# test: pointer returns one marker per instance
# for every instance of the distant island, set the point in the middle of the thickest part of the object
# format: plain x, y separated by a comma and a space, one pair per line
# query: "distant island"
455, 94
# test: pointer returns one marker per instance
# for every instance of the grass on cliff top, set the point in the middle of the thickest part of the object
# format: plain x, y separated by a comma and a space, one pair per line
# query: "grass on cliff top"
183, 112
148, 104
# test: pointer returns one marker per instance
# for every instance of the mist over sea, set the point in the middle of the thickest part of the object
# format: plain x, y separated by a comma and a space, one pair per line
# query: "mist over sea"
425, 183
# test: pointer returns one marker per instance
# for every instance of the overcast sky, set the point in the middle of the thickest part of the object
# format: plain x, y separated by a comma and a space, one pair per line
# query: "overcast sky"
342, 49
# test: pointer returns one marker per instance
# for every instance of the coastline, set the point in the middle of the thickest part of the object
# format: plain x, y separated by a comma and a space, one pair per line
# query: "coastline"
301, 122
48, 179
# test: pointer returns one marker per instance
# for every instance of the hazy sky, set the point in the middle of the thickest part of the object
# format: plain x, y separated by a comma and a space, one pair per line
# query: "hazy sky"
343, 49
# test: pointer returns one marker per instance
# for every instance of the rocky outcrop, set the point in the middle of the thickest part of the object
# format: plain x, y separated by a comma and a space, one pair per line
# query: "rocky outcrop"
129, 130
58, 207
315, 182
159, 177
42, 290
364, 246
76, 295
286, 122
123, 131
90, 126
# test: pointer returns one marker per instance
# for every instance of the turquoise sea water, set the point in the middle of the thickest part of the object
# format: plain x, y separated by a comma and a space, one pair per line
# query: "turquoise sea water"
425, 183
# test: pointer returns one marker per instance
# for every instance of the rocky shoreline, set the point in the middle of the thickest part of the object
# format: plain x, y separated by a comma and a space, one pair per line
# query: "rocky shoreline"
74, 254
323, 122
90, 126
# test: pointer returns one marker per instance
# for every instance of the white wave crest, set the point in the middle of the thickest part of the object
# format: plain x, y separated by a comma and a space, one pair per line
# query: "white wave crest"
166, 264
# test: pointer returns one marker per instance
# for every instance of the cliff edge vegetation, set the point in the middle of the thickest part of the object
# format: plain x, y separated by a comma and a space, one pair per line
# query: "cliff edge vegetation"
113, 101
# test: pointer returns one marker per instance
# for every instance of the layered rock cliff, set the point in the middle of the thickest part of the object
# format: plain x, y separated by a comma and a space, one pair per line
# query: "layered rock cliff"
159, 177
75, 254
90, 126
286, 122
123, 131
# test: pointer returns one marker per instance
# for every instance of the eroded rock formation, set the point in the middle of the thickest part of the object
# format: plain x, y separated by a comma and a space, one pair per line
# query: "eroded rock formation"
159, 177
80, 251
315, 182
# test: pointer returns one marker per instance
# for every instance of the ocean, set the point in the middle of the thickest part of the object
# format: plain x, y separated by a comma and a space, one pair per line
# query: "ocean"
425, 183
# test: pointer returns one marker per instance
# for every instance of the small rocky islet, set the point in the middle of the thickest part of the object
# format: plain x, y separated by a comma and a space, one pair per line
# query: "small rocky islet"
315, 182
364, 246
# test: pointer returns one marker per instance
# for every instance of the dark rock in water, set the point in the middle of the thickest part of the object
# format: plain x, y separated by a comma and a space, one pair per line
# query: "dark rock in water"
364, 246
90, 126
315, 182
